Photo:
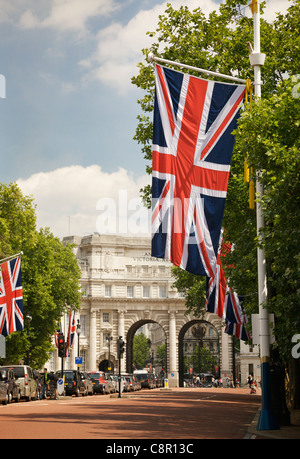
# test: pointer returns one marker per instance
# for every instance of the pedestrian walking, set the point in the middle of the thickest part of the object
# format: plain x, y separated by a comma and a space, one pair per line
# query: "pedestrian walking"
46, 381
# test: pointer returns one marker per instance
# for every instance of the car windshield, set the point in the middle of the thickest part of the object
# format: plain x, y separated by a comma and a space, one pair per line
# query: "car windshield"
69, 375
18, 371
95, 375
142, 376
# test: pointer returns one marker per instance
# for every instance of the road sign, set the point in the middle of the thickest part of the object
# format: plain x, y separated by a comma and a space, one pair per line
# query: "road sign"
78, 360
60, 386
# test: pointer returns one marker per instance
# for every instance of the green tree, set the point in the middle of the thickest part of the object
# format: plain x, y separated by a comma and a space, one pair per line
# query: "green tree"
161, 356
50, 276
140, 351
274, 151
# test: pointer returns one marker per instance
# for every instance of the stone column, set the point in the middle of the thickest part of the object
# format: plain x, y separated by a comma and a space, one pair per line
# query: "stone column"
173, 367
93, 341
226, 360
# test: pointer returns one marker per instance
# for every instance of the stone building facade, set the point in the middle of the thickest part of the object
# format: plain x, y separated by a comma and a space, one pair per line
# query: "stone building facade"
123, 288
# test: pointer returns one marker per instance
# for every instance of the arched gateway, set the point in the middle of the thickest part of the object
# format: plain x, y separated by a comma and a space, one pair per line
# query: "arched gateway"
123, 287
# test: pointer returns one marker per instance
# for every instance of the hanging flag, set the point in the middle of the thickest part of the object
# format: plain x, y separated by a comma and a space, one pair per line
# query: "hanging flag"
191, 156
72, 329
11, 297
224, 301
238, 330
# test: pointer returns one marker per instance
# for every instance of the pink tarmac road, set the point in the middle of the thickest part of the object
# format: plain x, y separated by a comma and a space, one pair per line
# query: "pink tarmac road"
183, 413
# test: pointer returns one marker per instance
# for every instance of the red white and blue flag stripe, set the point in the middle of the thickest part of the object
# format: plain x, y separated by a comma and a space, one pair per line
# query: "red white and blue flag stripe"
72, 329
224, 301
191, 157
11, 297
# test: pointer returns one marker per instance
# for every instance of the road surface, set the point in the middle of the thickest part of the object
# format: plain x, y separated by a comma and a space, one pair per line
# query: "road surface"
183, 413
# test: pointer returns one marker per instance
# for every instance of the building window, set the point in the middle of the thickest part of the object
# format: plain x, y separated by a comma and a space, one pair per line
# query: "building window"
129, 291
83, 355
146, 291
107, 291
162, 291
106, 317
82, 325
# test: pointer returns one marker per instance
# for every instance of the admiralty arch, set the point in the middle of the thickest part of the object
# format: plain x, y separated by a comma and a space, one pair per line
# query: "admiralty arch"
124, 288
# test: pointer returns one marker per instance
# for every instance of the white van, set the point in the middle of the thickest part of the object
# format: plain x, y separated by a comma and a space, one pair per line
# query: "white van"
24, 378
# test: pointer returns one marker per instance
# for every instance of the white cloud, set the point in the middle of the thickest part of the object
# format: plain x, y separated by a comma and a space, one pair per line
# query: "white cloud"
119, 46
80, 200
66, 15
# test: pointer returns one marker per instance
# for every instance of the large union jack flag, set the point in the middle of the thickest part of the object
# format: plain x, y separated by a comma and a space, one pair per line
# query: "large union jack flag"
11, 297
192, 149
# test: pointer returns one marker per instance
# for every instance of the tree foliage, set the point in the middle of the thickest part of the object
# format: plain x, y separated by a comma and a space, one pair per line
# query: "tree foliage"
140, 351
268, 134
50, 276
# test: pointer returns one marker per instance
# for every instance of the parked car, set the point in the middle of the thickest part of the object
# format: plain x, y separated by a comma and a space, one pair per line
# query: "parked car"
110, 383
158, 381
9, 390
89, 387
146, 380
100, 382
125, 386
136, 382
114, 380
25, 379
73, 382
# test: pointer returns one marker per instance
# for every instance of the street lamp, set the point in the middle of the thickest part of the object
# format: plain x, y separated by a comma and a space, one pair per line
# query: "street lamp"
29, 319
78, 331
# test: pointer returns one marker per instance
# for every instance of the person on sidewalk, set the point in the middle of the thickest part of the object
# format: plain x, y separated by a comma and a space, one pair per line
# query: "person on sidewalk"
46, 380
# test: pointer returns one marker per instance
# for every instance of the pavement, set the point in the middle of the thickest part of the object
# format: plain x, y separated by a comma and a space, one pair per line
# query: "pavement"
283, 433
291, 432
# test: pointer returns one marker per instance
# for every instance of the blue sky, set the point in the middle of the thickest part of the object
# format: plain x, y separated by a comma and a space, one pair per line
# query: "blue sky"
69, 115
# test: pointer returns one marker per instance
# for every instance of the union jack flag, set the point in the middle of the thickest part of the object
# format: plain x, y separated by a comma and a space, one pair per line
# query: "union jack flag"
11, 297
224, 301
192, 149
238, 330
72, 329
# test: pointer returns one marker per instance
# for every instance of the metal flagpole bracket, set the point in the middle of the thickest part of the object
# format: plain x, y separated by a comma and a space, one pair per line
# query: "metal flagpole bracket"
12, 256
152, 58
257, 59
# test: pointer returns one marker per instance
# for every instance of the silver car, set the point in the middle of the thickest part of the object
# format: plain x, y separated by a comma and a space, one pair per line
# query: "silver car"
25, 380
88, 383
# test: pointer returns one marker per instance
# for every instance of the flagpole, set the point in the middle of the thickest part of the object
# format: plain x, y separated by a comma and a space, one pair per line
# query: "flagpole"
12, 256
266, 419
152, 58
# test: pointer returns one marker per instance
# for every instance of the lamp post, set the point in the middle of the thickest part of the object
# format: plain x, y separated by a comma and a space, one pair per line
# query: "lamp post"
29, 319
78, 331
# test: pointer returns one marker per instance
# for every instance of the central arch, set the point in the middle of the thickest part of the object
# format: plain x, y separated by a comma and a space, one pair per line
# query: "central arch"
203, 332
129, 341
